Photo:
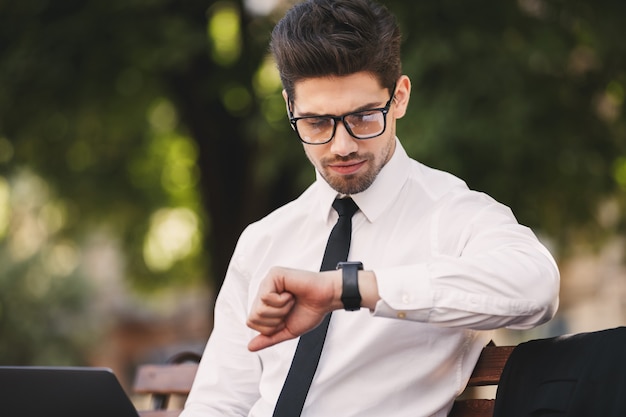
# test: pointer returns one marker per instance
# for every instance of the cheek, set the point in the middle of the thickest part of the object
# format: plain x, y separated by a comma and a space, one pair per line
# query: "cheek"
312, 153
387, 149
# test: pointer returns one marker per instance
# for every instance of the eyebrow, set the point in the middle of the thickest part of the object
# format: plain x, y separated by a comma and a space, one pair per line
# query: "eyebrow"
367, 106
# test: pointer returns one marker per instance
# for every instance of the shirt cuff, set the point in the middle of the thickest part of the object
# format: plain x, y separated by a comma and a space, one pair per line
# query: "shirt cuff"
405, 293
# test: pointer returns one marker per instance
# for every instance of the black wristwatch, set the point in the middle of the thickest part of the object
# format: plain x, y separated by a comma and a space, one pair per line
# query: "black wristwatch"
350, 296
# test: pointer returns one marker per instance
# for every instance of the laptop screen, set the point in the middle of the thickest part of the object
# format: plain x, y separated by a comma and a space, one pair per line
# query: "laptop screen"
27, 391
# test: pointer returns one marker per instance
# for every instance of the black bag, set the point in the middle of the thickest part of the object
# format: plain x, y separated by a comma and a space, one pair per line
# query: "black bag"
581, 375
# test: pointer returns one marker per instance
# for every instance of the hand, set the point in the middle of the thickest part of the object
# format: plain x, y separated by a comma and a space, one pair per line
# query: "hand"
291, 302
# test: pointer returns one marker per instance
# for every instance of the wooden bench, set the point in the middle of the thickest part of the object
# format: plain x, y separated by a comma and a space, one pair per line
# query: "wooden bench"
163, 382
487, 372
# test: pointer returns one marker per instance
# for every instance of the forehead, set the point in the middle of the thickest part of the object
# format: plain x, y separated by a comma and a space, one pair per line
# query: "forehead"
335, 95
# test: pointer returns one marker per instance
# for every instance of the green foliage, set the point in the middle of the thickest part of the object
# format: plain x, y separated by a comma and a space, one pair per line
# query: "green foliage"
522, 99
84, 114
43, 299
37, 307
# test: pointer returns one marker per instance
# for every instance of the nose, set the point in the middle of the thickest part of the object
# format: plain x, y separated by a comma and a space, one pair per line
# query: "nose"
343, 144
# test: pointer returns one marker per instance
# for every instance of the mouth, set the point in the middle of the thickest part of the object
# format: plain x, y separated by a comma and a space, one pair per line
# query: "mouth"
347, 167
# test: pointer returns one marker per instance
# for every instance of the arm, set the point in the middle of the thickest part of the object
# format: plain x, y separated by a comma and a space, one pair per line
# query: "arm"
291, 302
485, 271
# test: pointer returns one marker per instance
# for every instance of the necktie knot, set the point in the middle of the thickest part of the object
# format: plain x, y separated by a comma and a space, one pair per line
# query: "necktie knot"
345, 207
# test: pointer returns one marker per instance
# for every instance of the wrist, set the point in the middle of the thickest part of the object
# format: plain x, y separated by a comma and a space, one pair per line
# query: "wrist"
350, 294
368, 288
337, 286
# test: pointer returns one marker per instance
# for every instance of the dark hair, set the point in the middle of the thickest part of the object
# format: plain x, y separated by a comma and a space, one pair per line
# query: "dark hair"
320, 38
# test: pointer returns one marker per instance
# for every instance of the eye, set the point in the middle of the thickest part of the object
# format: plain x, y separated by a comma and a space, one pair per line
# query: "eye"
318, 123
367, 116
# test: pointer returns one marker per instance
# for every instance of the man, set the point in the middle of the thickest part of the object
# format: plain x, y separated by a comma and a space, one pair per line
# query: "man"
443, 265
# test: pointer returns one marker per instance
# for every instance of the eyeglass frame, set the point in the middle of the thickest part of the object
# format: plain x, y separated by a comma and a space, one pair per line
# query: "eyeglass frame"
342, 118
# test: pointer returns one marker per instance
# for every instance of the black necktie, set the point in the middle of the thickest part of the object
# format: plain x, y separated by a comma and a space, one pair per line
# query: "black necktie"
306, 358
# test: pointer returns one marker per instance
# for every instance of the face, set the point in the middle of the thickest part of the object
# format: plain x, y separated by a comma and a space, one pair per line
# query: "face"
348, 164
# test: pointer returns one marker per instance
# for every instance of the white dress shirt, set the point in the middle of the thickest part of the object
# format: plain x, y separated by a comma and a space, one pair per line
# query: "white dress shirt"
451, 264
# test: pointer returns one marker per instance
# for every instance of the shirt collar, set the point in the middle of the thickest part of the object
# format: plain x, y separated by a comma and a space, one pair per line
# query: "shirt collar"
380, 195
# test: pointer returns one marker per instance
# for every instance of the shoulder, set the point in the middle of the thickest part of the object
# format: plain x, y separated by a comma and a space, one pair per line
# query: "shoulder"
433, 182
451, 194
281, 220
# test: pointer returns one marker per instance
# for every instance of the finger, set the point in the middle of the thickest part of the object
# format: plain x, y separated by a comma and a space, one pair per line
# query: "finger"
277, 299
269, 320
263, 314
267, 329
266, 321
262, 341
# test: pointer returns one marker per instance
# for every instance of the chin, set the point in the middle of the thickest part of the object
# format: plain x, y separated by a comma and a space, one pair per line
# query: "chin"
351, 184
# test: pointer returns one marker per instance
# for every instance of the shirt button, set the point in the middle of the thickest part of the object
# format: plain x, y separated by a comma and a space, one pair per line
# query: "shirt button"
401, 315
406, 299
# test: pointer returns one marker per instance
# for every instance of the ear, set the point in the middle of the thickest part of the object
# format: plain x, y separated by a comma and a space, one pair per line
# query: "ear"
286, 98
402, 95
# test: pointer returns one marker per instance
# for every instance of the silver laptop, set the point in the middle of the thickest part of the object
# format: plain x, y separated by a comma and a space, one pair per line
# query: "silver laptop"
27, 391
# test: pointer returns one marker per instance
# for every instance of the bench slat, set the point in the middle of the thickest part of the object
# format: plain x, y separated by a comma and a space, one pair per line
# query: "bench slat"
159, 413
165, 379
489, 366
478, 407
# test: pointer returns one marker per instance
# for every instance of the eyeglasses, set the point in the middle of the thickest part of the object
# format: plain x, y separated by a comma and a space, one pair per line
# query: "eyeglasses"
362, 124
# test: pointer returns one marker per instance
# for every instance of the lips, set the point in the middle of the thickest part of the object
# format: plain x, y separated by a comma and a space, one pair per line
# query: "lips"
346, 168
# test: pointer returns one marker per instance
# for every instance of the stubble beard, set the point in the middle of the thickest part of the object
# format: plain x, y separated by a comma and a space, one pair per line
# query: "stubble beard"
355, 183
350, 184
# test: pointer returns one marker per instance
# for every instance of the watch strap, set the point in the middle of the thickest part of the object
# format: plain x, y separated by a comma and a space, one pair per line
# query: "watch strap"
350, 295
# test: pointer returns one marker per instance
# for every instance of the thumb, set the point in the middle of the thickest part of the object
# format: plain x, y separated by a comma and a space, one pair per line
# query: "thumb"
261, 341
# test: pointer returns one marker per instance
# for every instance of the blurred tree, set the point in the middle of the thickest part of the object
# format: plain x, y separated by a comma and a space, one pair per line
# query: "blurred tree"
160, 122
98, 95
524, 100
137, 115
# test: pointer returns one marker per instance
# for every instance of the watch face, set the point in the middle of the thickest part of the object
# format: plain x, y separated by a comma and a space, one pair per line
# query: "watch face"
359, 265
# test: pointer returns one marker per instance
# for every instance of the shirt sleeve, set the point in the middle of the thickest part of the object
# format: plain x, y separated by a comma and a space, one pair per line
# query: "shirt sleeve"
485, 271
227, 381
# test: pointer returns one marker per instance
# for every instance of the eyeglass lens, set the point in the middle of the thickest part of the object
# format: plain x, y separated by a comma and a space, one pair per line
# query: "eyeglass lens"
361, 125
